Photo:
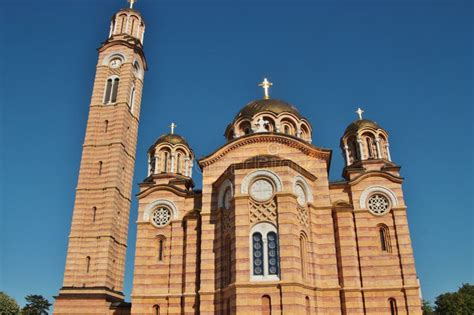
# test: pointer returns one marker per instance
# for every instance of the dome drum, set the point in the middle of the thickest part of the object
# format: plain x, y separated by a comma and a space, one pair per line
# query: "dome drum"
170, 154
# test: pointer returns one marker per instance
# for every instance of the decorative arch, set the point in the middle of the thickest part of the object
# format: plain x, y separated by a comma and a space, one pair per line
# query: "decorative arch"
160, 202
113, 55
298, 179
374, 189
227, 184
244, 188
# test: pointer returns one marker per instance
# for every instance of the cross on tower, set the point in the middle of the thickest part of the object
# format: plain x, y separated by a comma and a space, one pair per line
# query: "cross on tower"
172, 126
359, 112
132, 2
266, 87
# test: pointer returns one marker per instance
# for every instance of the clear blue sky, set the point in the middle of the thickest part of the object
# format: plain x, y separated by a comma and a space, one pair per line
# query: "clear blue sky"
409, 64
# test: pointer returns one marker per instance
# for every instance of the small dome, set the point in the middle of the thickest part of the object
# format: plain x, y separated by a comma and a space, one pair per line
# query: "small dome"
271, 105
360, 124
170, 138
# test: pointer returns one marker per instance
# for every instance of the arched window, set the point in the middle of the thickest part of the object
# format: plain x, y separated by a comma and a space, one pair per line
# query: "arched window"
286, 129
88, 263
123, 20
266, 305
272, 240
100, 167
304, 256
165, 161
370, 152
94, 213
384, 236
161, 248
265, 252
132, 99
178, 163
393, 306
308, 306
156, 310
152, 163
106, 128
111, 89
257, 249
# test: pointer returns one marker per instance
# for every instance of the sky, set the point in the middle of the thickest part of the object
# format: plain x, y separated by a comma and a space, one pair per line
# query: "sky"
408, 64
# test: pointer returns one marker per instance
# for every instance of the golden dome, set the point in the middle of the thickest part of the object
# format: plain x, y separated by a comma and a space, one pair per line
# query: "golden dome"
361, 124
271, 105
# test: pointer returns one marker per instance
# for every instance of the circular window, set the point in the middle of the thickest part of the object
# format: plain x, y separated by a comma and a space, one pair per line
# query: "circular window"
261, 190
301, 195
227, 198
378, 204
161, 216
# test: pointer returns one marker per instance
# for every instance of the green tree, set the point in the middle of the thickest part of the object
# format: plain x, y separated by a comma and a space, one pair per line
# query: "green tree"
8, 305
36, 305
427, 308
456, 303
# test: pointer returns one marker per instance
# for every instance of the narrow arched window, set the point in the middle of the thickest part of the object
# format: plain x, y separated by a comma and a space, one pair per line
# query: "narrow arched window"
369, 148
156, 310
308, 306
266, 305
94, 213
384, 237
108, 91
132, 99
393, 306
257, 253
272, 241
106, 128
161, 248
88, 263
114, 90
178, 164
287, 129
100, 167
227, 261
303, 255
165, 161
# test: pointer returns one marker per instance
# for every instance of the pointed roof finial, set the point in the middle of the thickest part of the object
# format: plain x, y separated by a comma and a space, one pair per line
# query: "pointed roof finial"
132, 2
359, 112
172, 126
266, 87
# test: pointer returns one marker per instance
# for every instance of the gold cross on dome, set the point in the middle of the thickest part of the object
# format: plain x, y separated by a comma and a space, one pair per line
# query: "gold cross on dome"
132, 2
172, 126
266, 87
359, 112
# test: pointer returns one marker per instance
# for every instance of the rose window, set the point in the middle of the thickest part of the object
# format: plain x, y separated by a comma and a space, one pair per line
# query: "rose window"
378, 204
161, 217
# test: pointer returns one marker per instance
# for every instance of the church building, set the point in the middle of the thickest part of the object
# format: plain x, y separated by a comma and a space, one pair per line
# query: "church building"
269, 233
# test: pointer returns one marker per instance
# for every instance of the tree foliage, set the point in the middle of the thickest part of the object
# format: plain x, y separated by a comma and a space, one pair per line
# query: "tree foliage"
427, 308
36, 305
8, 305
456, 303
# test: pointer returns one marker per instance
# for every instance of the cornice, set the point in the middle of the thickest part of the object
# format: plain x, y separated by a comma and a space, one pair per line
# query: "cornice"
304, 147
129, 42
387, 175
177, 191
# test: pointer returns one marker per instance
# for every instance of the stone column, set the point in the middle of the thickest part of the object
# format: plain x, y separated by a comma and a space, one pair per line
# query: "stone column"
157, 159
186, 166
379, 151
149, 165
346, 151
361, 148
388, 152
172, 170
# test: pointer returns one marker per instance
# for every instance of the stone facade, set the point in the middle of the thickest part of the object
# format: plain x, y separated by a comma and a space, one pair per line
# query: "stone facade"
269, 233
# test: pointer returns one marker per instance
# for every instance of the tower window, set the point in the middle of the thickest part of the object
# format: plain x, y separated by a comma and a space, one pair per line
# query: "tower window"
94, 213
111, 90
106, 123
393, 306
156, 310
88, 263
132, 99
161, 248
308, 306
100, 167
384, 236
303, 255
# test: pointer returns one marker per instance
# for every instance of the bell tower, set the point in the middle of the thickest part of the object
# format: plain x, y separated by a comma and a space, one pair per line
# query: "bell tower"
95, 263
